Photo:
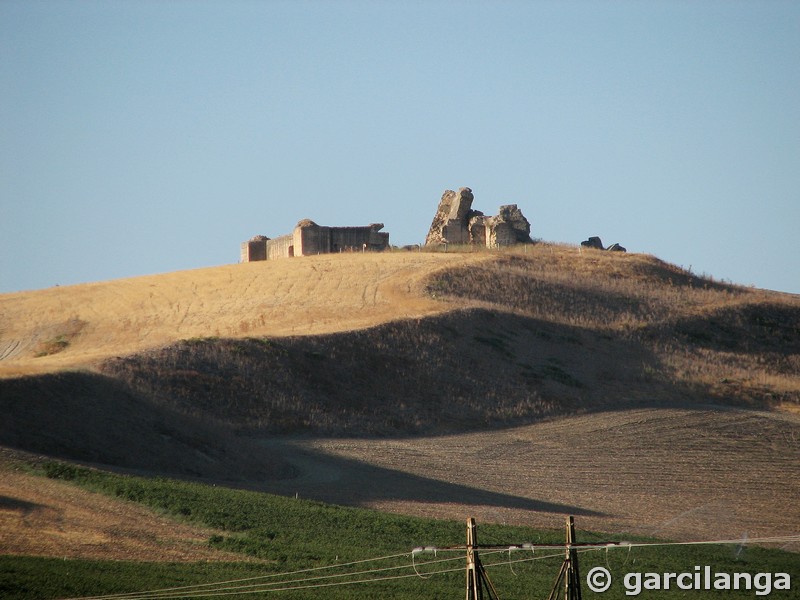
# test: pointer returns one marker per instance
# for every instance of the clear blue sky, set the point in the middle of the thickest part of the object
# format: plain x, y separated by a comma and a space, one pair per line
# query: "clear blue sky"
142, 137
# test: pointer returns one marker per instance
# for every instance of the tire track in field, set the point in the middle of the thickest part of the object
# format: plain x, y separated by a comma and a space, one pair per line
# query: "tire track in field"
303, 296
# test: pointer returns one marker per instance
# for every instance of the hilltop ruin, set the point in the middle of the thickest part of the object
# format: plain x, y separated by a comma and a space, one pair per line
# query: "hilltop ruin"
456, 222
308, 239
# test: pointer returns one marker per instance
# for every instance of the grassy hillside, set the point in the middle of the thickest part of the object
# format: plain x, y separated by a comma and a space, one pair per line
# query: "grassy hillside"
204, 374
49, 516
455, 342
288, 535
76, 326
732, 343
526, 336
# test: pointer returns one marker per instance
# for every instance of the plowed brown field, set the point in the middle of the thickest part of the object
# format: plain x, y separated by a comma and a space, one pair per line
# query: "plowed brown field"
686, 474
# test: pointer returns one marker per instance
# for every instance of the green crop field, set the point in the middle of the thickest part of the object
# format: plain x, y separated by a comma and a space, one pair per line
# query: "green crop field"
293, 548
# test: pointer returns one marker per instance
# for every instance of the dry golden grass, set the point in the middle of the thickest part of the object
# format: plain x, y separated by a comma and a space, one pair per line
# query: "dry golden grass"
733, 341
610, 361
75, 326
45, 517
627, 295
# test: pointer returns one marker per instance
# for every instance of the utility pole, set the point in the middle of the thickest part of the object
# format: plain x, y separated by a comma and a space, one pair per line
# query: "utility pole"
569, 573
477, 580
568, 582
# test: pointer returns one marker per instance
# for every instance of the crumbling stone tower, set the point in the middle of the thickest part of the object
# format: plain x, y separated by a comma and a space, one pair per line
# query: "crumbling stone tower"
455, 222
451, 222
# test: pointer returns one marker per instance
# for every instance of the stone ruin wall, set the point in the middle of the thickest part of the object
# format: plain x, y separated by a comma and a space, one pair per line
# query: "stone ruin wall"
455, 222
254, 249
450, 223
280, 247
359, 238
262, 248
308, 239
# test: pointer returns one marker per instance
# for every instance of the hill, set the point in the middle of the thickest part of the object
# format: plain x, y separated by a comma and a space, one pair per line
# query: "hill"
239, 373
674, 313
76, 326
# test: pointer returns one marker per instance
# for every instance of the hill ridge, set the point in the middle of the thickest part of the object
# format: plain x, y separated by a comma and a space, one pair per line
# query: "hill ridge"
434, 343
77, 326
408, 350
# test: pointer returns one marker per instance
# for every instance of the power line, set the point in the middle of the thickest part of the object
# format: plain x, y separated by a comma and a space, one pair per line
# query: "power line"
218, 589
230, 581
294, 587
287, 586
626, 544
244, 585
746, 542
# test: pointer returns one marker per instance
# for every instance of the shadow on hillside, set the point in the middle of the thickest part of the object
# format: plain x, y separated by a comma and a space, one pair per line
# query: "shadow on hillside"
181, 410
350, 482
17, 505
93, 419
749, 328
467, 370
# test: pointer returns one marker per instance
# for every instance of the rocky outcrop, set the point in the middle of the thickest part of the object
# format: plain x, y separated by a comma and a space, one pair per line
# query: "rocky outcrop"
455, 222
593, 242
596, 243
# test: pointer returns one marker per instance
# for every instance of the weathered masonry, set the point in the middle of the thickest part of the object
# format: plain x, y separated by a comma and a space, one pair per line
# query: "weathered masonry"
308, 239
455, 222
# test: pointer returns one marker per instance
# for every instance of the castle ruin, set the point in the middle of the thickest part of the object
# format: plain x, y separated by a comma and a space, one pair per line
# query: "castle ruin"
308, 239
456, 223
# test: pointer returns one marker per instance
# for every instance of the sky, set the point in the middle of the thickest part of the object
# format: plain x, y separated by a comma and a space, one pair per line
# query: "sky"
142, 136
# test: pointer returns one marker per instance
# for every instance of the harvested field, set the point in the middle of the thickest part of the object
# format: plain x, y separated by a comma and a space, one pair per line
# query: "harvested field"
676, 473
641, 391
685, 474
75, 326
43, 517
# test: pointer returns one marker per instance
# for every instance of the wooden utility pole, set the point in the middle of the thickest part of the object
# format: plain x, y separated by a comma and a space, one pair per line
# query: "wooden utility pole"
569, 573
477, 580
